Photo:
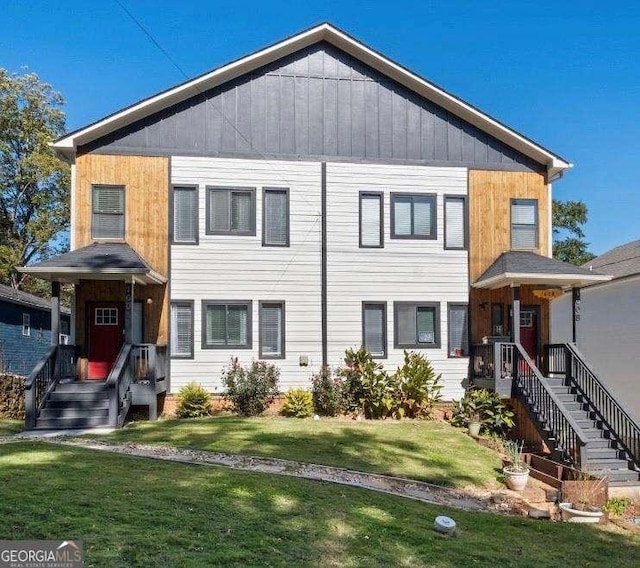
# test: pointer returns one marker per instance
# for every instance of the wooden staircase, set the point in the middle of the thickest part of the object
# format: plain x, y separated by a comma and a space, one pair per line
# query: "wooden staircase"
79, 404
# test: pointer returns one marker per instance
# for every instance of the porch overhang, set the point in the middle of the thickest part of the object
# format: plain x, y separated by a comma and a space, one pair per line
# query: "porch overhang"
98, 261
517, 268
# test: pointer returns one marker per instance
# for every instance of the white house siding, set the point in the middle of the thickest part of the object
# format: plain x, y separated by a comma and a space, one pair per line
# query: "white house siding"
404, 270
608, 334
240, 268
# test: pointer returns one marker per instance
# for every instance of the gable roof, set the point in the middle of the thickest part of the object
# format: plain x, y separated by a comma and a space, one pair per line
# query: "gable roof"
620, 261
21, 298
67, 144
524, 267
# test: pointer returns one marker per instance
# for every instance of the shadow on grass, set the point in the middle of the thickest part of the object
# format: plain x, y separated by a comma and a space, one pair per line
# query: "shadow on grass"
136, 512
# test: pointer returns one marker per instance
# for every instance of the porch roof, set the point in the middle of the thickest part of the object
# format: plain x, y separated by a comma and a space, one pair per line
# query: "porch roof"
97, 261
524, 267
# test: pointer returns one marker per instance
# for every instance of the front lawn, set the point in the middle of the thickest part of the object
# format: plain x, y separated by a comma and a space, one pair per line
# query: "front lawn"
429, 451
8, 427
137, 512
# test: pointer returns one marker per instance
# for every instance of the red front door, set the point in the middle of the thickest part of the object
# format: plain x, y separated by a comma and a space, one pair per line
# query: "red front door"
529, 332
105, 338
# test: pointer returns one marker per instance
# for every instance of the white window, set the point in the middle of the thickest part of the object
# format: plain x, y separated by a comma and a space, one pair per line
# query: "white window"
371, 220
457, 319
454, 223
272, 335
524, 224
413, 216
182, 329
275, 217
374, 328
26, 325
417, 325
106, 316
231, 211
107, 220
226, 324
185, 215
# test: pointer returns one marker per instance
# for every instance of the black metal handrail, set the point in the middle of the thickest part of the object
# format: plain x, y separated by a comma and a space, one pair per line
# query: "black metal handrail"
119, 386
570, 440
624, 429
555, 359
39, 383
482, 360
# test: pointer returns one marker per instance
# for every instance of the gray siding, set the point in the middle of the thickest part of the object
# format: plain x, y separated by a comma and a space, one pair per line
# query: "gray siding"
317, 103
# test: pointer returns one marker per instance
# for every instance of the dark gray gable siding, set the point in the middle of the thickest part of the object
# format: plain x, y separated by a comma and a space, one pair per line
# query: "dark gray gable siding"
316, 103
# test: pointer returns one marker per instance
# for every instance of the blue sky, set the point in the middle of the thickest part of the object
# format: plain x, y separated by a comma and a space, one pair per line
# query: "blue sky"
566, 74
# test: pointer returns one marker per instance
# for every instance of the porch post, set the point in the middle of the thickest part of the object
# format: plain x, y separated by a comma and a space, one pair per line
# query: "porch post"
515, 291
575, 312
128, 312
55, 313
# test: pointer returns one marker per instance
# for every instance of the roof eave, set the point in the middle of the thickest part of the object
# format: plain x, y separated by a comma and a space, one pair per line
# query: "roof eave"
73, 274
539, 278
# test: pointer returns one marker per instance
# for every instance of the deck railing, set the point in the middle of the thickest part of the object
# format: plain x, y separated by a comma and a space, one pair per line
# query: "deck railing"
119, 387
149, 362
555, 359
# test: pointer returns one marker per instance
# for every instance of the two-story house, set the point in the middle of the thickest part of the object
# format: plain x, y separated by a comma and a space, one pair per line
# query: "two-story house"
309, 197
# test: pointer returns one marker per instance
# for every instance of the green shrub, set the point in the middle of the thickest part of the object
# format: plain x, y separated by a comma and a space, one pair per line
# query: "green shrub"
617, 506
193, 401
252, 391
495, 415
417, 387
327, 393
11, 397
298, 403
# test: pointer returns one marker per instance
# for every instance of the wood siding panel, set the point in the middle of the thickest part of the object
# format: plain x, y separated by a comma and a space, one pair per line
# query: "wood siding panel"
387, 122
146, 182
490, 194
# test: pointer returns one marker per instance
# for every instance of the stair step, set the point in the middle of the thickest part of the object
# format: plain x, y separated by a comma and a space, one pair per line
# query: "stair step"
66, 423
604, 453
96, 395
608, 463
61, 412
81, 386
78, 403
574, 406
617, 475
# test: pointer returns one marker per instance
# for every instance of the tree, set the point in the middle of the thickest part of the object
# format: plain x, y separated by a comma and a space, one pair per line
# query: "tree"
568, 217
34, 182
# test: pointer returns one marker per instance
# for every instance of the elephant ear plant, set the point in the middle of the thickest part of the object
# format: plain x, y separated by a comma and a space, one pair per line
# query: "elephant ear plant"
486, 407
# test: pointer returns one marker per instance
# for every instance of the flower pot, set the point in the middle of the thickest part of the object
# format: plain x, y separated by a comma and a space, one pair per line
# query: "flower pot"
571, 515
474, 429
515, 477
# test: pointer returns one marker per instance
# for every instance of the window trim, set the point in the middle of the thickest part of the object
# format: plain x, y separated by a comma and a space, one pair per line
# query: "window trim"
103, 323
179, 186
457, 305
265, 190
523, 201
438, 338
203, 323
26, 327
231, 189
283, 334
124, 211
465, 220
385, 337
434, 218
380, 195
190, 304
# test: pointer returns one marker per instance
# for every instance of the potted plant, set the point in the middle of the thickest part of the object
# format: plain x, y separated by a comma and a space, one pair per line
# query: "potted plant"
475, 423
582, 508
516, 473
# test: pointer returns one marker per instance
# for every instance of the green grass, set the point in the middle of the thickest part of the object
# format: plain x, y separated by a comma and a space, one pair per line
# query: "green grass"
429, 451
8, 427
139, 512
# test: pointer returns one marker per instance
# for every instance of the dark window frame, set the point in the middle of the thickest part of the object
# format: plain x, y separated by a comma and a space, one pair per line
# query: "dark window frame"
190, 304
26, 317
94, 186
500, 312
523, 201
385, 337
231, 190
465, 220
380, 195
468, 330
266, 190
417, 305
434, 217
191, 187
203, 323
283, 333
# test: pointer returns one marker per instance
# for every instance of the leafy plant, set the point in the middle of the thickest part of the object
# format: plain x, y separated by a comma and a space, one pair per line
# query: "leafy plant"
618, 506
328, 393
193, 401
495, 416
251, 391
298, 403
417, 387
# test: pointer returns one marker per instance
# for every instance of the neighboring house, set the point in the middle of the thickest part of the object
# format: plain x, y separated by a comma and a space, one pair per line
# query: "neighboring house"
309, 197
25, 330
608, 331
